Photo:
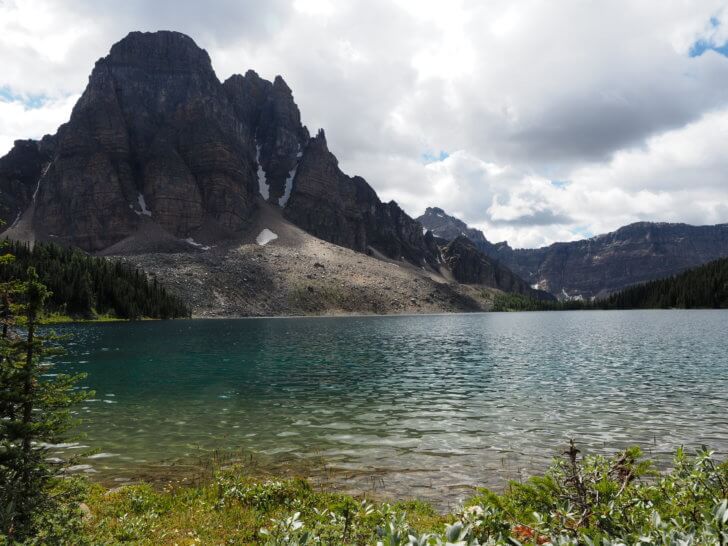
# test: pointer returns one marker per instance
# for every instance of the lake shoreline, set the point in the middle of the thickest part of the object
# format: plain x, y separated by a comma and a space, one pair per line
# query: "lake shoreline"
235, 506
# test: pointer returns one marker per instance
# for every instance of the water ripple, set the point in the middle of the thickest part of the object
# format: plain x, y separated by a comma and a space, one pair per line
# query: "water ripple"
434, 402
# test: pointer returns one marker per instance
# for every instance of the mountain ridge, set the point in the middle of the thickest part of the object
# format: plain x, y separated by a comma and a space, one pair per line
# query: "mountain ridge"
605, 263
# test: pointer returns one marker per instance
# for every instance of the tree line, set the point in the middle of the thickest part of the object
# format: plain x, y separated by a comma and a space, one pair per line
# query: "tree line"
84, 286
703, 287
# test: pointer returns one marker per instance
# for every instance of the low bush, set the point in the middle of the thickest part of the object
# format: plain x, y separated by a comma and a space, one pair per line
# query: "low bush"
592, 500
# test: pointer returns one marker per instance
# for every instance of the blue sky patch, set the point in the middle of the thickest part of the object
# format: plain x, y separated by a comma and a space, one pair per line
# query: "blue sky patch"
561, 184
701, 46
431, 157
29, 101
584, 232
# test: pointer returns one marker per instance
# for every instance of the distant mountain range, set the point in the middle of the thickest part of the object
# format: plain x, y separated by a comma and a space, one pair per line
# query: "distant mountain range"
163, 163
600, 265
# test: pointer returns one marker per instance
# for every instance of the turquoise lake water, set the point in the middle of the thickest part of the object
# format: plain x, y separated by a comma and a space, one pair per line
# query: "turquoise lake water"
411, 406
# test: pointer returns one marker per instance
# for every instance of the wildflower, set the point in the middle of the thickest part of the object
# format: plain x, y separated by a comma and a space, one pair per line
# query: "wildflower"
475, 511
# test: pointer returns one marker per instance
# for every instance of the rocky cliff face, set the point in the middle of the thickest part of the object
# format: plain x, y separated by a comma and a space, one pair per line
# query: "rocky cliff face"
274, 128
346, 211
153, 137
469, 265
157, 138
607, 263
20, 171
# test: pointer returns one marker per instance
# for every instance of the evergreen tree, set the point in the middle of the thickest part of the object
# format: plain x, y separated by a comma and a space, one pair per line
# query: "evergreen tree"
703, 287
84, 286
34, 412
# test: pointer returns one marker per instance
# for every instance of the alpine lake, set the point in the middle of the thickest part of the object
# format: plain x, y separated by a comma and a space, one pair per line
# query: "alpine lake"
396, 406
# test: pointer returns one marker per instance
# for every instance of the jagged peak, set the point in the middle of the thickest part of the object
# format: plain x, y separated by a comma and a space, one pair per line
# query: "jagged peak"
320, 138
279, 84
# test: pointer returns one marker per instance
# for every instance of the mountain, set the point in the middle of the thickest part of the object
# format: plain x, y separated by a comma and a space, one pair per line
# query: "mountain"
157, 139
448, 227
219, 191
470, 265
601, 265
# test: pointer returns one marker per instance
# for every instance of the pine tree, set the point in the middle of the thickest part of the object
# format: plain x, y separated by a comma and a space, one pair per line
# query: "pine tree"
84, 286
34, 411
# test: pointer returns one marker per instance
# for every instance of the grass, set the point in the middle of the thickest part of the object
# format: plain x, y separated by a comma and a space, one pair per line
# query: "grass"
60, 318
594, 500
231, 510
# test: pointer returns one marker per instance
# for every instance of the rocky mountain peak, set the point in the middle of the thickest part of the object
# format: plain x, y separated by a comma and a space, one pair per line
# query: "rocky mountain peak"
280, 86
449, 227
158, 144
320, 139
161, 51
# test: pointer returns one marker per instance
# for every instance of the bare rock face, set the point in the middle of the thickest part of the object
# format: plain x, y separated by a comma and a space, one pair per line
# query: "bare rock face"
448, 227
346, 211
153, 136
276, 131
157, 138
469, 265
601, 265
20, 171
607, 263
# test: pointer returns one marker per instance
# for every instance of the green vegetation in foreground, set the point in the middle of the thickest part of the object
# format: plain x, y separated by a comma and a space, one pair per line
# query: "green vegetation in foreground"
84, 287
595, 500
704, 287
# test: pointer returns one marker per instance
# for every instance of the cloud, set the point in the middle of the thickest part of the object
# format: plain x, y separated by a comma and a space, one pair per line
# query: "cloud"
473, 106
18, 120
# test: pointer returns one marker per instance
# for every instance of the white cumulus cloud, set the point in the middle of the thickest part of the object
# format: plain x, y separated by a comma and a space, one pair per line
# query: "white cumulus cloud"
561, 118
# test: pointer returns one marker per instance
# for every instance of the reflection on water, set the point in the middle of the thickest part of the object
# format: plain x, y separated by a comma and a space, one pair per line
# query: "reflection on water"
423, 406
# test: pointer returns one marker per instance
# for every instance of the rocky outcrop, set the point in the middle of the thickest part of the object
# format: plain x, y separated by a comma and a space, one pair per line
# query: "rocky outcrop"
346, 211
20, 171
448, 227
469, 265
604, 264
276, 133
274, 121
152, 136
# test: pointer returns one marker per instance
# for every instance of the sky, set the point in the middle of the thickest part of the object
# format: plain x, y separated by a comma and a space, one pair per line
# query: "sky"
534, 120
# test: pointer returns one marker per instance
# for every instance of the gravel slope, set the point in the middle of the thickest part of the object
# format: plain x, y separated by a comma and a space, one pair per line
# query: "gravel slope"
294, 274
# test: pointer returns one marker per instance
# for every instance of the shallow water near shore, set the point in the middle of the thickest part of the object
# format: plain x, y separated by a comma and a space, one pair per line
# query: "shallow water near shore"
405, 406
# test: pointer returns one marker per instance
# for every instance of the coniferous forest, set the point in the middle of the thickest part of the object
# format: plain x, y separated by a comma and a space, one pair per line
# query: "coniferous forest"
705, 287
86, 287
